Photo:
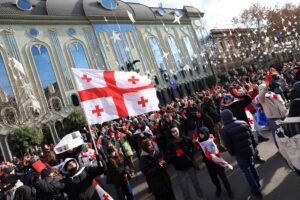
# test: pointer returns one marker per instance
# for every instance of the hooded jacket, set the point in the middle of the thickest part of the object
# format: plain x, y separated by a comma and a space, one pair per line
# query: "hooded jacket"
79, 184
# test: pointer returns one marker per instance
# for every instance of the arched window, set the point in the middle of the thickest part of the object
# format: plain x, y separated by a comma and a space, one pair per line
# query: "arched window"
45, 70
59, 129
189, 47
130, 39
123, 50
175, 52
6, 91
78, 54
47, 134
75, 100
108, 50
157, 53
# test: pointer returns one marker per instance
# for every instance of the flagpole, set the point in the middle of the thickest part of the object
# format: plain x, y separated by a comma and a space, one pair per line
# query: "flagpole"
94, 143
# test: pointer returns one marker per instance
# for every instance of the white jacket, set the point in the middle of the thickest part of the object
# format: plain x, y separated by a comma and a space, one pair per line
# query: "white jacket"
273, 105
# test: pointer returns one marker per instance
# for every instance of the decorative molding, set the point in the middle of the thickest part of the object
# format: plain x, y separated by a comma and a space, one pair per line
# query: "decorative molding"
61, 59
13, 44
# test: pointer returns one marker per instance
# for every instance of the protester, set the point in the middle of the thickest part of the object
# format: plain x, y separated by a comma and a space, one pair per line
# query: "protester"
181, 154
116, 174
48, 177
152, 165
236, 135
273, 106
172, 136
214, 169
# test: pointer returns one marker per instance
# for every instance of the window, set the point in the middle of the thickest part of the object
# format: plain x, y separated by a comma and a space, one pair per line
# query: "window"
130, 39
175, 52
109, 4
157, 53
75, 100
45, 69
121, 48
108, 52
189, 47
5, 86
78, 55
23, 5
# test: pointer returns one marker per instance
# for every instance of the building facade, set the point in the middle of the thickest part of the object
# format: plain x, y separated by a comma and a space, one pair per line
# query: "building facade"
41, 40
243, 46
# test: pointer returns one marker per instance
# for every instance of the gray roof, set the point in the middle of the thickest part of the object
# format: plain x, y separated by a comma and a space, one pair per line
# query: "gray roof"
65, 7
142, 12
90, 8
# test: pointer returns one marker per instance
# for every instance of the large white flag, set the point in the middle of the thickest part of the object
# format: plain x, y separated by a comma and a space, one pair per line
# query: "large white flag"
108, 95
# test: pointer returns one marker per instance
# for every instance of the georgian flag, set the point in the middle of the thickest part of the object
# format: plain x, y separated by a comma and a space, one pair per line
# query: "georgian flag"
103, 195
212, 153
250, 118
108, 95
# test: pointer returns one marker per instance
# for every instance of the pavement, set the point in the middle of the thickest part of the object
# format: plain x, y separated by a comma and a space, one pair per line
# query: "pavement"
278, 181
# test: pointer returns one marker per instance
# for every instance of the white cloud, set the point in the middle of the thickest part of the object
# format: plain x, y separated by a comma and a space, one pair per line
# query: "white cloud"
218, 13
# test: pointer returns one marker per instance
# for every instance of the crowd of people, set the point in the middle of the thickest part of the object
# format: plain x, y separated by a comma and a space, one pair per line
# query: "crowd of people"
226, 117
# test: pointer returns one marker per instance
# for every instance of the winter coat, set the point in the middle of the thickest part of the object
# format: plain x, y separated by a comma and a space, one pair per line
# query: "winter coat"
20, 192
124, 144
272, 104
295, 108
237, 139
210, 109
52, 194
157, 177
78, 185
237, 107
114, 173
185, 161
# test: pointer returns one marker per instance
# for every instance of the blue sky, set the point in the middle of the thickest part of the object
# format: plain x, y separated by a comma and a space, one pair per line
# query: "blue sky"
218, 13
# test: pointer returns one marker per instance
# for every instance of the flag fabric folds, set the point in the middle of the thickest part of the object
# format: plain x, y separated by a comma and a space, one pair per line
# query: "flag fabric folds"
108, 95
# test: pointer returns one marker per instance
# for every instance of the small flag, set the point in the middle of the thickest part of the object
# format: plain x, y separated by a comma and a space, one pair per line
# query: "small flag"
101, 192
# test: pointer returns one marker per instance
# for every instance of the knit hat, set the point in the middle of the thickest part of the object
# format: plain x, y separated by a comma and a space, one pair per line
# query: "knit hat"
45, 173
228, 96
8, 182
226, 116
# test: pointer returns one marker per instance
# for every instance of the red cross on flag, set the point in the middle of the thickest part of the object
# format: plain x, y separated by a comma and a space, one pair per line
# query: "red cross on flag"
108, 95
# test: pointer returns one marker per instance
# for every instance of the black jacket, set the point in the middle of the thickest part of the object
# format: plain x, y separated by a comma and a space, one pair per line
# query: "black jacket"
237, 139
77, 187
157, 177
114, 174
210, 109
185, 161
238, 108
295, 108
24, 193
52, 193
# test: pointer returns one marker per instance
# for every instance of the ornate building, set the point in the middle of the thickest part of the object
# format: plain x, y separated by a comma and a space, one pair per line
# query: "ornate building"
40, 40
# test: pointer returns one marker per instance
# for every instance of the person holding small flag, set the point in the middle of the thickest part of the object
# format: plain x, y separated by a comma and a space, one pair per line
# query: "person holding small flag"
214, 162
